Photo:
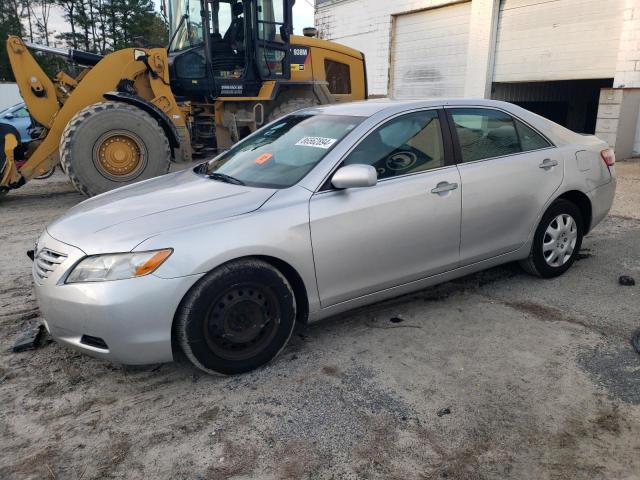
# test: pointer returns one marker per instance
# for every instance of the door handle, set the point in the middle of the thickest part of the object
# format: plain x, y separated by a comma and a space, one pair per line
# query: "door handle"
548, 163
444, 187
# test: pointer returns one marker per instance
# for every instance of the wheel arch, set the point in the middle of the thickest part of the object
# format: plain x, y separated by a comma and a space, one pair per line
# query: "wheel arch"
583, 203
158, 115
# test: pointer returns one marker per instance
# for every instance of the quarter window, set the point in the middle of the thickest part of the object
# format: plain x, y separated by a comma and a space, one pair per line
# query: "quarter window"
529, 138
407, 144
338, 77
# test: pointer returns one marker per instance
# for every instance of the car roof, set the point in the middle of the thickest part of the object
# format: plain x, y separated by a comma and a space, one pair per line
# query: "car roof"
368, 108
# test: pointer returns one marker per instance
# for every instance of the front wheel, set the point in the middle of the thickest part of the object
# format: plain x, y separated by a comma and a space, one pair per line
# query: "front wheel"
236, 318
557, 240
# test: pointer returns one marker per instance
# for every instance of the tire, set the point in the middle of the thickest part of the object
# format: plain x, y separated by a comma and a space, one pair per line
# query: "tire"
290, 106
237, 318
542, 260
85, 143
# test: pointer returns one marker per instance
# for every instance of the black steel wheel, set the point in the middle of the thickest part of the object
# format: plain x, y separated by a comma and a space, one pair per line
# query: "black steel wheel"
242, 321
236, 318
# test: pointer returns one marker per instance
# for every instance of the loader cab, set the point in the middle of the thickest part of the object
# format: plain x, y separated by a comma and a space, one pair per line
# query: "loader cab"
227, 48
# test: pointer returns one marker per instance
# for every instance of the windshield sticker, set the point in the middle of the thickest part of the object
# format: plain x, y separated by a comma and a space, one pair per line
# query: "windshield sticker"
318, 142
263, 158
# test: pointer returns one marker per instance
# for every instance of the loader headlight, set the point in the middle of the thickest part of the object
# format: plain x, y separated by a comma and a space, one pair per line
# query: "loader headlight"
117, 266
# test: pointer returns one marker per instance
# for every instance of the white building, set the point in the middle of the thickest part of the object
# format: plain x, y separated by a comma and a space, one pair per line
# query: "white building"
576, 62
9, 95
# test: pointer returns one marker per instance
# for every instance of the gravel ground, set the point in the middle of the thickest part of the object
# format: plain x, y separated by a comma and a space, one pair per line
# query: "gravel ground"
539, 378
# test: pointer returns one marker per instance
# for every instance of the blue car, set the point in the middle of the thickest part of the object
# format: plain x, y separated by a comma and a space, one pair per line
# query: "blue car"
18, 116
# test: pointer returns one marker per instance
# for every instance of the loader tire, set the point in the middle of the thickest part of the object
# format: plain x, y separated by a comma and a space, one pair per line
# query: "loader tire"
108, 145
290, 106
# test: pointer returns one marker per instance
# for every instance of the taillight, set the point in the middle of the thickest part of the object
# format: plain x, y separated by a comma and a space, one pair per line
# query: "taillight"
609, 157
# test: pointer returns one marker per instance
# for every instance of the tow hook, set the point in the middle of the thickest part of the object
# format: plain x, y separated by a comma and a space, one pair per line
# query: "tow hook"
31, 254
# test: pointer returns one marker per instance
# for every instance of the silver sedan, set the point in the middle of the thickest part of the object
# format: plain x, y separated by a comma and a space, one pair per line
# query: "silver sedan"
324, 210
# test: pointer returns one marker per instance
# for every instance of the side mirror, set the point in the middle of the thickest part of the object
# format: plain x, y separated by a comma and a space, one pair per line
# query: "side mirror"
284, 33
9, 116
355, 176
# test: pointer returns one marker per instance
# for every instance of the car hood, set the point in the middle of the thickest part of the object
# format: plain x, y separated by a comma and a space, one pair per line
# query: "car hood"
119, 220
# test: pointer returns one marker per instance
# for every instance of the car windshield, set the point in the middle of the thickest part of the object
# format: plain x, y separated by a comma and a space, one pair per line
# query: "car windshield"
280, 155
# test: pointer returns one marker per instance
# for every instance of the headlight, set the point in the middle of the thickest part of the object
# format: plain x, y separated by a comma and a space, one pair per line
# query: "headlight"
117, 266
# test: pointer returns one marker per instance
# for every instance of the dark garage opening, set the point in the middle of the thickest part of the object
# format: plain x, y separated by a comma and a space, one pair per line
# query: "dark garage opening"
571, 103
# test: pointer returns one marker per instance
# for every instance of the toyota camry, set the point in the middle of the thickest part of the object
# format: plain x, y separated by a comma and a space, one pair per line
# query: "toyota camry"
321, 211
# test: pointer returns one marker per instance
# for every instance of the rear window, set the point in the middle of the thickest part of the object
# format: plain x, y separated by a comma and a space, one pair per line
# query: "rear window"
338, 77
484, 133
487, 133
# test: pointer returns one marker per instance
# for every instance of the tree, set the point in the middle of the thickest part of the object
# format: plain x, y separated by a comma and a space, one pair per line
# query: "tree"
9, 25
93, 25
69, 12
40, 11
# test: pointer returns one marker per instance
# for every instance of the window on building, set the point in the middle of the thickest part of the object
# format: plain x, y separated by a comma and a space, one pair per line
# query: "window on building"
407, 144
338, 77
529, 138
484, 133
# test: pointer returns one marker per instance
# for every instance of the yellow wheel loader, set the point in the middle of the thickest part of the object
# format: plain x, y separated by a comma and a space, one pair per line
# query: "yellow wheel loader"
230, 67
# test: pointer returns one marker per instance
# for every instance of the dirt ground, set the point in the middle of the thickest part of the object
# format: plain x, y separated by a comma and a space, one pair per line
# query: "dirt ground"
539, 377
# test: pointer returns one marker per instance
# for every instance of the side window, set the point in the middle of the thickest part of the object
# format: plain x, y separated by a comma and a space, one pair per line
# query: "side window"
21, 113
270, 19
529, 138
338, 76
271, 53
484, 133
407, 144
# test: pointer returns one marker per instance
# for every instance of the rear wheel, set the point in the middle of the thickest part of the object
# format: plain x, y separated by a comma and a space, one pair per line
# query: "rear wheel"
557, 240
237, 318
108, 145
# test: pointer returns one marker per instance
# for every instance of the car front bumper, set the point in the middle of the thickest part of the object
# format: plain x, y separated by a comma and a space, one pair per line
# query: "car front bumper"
132, 317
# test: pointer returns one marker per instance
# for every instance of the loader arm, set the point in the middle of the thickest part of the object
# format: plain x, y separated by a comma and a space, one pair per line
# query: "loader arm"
54, 112
37, 90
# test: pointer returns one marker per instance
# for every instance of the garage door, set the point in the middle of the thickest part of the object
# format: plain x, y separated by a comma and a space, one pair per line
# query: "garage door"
557, 39
429, 52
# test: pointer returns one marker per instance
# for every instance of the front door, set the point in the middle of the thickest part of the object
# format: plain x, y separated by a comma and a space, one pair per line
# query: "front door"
509, 172
403, 229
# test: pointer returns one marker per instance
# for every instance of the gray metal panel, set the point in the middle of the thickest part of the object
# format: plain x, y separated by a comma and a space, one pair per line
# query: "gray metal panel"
429, 52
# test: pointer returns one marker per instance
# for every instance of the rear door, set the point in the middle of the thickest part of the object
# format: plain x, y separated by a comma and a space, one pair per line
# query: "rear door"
405, 228
508, 172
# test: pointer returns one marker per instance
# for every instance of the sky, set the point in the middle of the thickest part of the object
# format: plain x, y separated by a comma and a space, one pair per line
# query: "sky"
302, 17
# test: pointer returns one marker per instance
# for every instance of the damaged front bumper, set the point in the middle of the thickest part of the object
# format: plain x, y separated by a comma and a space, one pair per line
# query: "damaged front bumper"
125, 321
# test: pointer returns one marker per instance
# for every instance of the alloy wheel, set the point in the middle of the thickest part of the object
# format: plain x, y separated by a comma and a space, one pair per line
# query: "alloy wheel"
559, 240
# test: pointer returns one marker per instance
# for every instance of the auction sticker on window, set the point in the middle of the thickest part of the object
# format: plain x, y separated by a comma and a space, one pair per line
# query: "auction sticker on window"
318, 142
